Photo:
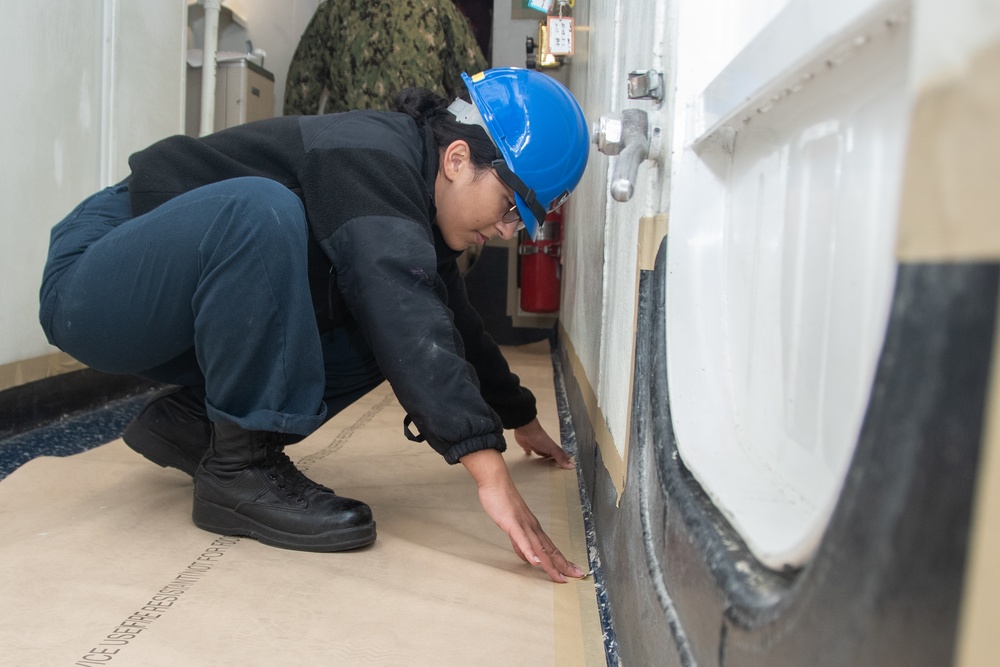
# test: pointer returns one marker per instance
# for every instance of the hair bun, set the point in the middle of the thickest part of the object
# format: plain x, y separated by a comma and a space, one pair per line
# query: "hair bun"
421, 104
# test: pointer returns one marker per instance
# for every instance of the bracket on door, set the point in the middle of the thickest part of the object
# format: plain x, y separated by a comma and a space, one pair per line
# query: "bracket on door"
645, 85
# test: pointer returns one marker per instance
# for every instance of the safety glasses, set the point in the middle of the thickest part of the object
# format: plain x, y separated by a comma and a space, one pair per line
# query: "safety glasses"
512, 214
512, 181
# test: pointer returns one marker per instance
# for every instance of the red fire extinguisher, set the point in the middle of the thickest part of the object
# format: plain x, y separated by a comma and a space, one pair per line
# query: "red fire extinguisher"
540, 266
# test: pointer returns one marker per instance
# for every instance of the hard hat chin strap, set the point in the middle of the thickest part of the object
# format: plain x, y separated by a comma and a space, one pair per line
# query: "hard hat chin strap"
519, 186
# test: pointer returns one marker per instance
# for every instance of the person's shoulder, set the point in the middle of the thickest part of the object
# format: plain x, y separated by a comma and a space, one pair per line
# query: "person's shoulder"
266, 130
388, 131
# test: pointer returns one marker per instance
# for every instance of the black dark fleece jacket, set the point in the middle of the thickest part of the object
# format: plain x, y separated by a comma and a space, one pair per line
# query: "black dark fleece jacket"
366, 179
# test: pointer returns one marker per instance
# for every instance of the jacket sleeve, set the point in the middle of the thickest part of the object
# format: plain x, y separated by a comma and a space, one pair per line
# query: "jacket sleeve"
498, 385
383, 254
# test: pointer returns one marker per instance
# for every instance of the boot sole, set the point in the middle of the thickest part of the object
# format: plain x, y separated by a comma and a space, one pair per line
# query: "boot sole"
224, 521
161, 452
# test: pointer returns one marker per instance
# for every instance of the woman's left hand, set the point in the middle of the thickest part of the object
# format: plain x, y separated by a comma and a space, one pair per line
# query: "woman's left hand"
534, 440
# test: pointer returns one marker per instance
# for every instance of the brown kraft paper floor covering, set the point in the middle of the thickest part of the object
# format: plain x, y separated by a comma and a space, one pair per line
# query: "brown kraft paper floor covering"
103, 566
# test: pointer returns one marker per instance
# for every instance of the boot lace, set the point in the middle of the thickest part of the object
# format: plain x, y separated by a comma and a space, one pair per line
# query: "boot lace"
290, 480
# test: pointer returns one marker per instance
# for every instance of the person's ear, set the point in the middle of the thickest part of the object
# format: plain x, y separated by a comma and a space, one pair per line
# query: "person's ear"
456, 158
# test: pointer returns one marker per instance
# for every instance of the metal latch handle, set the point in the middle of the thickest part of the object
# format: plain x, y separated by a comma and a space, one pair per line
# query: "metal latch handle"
635, 149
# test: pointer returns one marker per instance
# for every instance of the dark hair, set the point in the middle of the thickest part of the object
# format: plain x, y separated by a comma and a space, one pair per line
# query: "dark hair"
425, 106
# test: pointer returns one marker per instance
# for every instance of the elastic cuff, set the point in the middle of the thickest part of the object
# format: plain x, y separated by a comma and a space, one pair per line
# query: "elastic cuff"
492, 441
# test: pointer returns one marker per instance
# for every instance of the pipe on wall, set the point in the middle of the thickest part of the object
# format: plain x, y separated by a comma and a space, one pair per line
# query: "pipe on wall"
208, 65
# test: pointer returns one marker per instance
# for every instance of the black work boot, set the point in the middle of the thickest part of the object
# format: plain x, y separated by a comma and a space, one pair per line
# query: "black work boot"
246, 485
172, 429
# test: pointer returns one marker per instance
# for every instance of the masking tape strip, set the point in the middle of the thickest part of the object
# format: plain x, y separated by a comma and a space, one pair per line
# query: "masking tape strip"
950, 200
652, 229
22, 372
576, 623
613, 461
978, 642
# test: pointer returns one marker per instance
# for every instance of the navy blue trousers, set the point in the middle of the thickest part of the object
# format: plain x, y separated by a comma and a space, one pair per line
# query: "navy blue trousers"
209, 290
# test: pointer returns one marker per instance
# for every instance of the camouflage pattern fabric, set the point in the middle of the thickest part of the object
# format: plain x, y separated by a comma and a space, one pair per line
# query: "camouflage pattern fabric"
358, 54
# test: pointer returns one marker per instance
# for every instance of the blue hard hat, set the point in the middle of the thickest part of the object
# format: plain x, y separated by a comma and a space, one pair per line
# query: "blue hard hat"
541, 132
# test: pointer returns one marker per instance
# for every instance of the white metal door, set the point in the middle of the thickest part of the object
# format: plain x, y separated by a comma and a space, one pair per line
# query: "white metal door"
787, 167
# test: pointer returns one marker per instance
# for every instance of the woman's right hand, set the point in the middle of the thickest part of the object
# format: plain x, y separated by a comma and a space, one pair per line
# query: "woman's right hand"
504, 504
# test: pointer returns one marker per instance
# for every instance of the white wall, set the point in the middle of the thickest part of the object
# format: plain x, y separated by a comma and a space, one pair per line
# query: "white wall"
601, 247
87, 82
583, 247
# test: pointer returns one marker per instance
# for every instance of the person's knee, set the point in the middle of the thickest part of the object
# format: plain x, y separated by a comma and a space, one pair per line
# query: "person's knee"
269, 198
273, 213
